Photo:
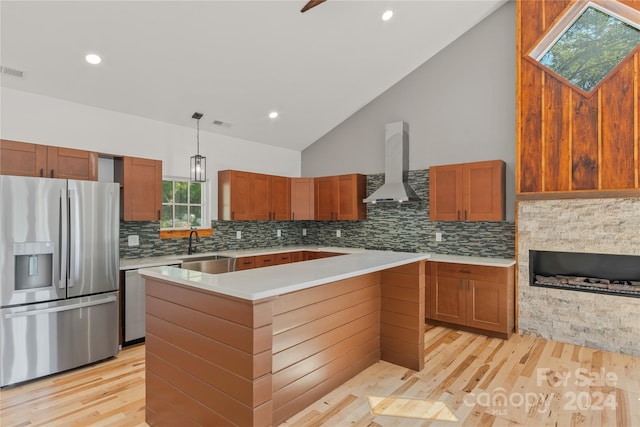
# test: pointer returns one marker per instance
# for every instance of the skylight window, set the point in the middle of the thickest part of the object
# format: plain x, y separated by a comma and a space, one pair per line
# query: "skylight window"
589, 42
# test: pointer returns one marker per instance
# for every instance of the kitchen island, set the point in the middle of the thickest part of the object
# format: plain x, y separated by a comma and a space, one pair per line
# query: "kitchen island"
255, 347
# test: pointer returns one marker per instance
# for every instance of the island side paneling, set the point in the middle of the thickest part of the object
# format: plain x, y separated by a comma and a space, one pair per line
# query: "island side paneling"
208, 358
219, 360
322, 337
402, 315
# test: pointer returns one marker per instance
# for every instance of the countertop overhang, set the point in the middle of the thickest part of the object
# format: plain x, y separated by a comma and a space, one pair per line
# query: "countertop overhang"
261, 283
136, 263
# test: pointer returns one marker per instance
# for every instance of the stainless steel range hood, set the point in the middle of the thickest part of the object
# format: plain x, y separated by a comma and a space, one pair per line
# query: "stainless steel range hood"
396, 167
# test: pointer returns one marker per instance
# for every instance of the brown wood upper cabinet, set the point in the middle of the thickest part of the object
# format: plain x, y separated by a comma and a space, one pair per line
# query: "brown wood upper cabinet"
476, 296
302, 199
253, 196
141, 188
340, 197
26, 159
467, 192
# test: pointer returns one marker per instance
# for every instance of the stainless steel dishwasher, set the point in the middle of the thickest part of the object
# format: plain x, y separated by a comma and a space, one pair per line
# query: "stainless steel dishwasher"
134, 308
133, 314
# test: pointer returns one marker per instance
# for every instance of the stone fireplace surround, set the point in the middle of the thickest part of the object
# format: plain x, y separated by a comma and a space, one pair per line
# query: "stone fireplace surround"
608, 226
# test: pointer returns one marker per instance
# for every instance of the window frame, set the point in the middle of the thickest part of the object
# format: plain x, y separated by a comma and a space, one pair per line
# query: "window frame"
205, 214
615, 9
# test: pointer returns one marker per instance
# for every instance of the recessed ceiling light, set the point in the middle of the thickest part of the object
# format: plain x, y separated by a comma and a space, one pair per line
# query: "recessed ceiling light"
387, 15
273, 114
93, 59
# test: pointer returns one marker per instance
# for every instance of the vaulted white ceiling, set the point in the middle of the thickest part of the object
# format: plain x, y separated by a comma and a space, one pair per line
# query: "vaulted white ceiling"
233, 61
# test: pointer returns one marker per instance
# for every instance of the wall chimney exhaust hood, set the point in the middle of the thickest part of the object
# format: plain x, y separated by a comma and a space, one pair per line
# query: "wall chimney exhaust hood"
396, 167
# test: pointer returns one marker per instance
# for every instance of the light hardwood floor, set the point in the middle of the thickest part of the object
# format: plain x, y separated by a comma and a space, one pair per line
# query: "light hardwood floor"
482, 381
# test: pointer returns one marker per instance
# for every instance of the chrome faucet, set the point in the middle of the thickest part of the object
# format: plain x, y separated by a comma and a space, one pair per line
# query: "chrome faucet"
192, 249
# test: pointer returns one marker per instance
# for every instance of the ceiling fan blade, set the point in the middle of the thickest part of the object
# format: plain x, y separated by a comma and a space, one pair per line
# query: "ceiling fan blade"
310, 4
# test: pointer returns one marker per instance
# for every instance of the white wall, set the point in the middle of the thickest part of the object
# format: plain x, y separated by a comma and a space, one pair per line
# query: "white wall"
460, 107
50, 121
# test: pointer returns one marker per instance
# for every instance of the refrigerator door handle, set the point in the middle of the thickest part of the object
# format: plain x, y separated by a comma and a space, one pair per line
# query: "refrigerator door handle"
108, 300
63, 238
73, 226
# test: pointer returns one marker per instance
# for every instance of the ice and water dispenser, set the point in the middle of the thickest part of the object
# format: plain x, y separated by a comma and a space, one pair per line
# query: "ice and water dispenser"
33, 265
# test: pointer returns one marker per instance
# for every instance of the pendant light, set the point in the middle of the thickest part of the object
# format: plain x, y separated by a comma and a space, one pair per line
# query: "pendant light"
198, 163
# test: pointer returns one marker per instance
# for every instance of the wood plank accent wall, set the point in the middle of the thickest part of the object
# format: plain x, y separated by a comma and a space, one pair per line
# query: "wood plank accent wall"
402, 315
208, 359
566, 141
323, 336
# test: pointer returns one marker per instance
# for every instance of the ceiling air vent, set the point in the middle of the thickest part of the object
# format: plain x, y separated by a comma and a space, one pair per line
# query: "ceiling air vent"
221, 124
12, 72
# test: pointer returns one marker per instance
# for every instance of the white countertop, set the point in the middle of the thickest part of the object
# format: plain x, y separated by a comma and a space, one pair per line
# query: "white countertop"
133, 264
473, 260
265, 282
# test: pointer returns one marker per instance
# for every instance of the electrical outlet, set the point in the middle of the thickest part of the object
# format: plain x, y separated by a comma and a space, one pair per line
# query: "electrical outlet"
238, 234
304, 231
133, 240
338, 233
438, 237
279, 233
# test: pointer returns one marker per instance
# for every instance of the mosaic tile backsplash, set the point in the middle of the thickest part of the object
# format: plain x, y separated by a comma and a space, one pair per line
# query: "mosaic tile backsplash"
403, 226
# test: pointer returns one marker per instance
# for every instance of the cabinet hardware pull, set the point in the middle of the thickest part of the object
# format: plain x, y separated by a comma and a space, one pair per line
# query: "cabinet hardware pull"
233, 215
465, 271
41, 172
460, 284
458, 215
465, 214
159, 217
52, 173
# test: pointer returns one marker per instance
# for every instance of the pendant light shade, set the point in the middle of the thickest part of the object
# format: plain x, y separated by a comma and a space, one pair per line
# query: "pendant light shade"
198, 166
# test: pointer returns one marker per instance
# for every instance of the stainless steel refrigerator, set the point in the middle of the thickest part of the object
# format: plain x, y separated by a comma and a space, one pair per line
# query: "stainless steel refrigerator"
59, 262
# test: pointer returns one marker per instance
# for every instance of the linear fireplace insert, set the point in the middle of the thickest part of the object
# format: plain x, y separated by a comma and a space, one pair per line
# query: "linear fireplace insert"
586, 272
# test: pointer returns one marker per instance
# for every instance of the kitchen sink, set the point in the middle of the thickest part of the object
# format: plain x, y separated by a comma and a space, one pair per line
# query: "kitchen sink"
212, 265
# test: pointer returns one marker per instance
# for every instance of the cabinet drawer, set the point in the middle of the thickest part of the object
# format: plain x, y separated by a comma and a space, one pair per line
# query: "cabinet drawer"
245, 263
266, 260
467, 271
283, 258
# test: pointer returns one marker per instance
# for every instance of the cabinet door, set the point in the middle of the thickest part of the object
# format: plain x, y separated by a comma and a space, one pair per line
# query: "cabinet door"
352, 189
67, 163
445, 193
302, 202
327, 197
280, 197
260, 196
142, 188
22, 158
449, 299
234, 195
486, 305
483, 191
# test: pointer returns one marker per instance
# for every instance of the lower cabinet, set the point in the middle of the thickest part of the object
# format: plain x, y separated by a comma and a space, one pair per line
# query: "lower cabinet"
474, 296
265, 260
245, 263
